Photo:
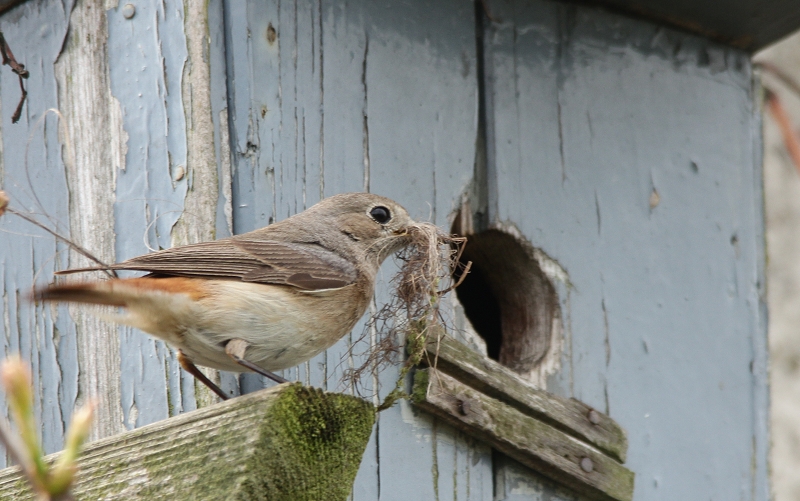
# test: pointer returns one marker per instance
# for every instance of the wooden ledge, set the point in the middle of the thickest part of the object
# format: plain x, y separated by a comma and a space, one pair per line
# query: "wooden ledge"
287, 442
563, 439
571, 416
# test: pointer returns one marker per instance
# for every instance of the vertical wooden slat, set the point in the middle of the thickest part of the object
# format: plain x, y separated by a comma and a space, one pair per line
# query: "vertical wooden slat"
147, 54
593, 114
91, 163
363, 95
36, 180
106, 174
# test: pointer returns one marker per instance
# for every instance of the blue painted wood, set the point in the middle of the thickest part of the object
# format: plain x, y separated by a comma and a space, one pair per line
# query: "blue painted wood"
515, 482
591, 115
35, 180
145, 82
348, 97
147, 53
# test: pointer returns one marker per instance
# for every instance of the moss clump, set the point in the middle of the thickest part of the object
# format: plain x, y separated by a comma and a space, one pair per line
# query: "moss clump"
420, 389
416, 339
310, 447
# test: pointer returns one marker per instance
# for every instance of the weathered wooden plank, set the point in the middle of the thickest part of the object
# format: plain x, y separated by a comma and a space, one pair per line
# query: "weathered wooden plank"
287, 442
664, 321
532, 442
112, 171
215, 58
388, 95
92, 161
489, 377
418, 73
148, 63
36, 181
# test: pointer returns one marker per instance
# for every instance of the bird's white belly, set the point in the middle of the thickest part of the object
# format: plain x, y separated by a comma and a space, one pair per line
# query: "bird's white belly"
282, 327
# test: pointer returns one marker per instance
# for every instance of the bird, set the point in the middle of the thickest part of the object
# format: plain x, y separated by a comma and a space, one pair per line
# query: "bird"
261, 301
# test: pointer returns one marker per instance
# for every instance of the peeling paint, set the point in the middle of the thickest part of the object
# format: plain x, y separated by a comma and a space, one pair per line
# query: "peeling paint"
226, 174
91, 162
197, 223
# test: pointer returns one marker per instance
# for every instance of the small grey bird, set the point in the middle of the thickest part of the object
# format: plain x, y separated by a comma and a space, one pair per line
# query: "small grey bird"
264, 300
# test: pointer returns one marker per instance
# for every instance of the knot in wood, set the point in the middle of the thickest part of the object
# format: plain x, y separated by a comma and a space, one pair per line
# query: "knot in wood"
594, 417
463, 407
587, 465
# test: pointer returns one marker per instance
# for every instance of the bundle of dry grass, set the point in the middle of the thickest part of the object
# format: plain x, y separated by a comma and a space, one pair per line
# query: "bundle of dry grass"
413, 313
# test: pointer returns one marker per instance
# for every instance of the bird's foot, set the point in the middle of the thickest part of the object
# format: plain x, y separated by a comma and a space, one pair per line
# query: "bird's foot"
235, 349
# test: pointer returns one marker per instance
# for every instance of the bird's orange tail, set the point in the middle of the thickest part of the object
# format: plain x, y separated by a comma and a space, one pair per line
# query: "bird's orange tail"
82, 292
120, 292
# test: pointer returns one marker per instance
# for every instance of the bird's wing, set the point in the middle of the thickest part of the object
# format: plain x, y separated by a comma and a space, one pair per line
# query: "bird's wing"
302, 265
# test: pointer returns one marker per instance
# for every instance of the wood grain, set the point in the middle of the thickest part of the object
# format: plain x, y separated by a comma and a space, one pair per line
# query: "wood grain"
533, 443
487, 376
286, 442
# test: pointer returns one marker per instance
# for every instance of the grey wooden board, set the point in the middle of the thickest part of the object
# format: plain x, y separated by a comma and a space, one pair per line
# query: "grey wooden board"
152, 46
665, 317
516, 482
364, 95
45, 337
148, 56
531, 441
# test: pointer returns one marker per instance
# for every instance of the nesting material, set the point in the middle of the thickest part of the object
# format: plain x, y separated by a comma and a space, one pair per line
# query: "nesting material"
412, 314
3, 202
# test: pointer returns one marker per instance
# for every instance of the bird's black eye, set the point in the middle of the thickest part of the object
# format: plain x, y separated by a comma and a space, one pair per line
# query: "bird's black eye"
380, 214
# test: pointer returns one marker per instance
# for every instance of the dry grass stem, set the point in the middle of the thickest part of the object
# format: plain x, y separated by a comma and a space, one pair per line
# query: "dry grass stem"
413, 311
3, 202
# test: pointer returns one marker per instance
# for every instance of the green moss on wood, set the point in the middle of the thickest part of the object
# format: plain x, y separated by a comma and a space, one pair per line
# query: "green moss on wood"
418, 335
310, 447
285, 443
420, 389
530, 441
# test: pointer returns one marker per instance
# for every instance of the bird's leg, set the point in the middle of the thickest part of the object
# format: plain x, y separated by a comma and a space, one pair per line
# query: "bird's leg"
192, 369
235, 349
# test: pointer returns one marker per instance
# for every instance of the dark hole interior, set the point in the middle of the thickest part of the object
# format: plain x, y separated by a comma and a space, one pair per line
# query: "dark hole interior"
481, 308
508, 299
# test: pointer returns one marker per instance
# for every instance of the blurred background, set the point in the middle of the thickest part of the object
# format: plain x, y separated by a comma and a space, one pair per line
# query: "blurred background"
780, 67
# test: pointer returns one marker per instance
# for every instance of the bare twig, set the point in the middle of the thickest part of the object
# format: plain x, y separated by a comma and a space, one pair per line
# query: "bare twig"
19, 69
18, 112
9, 59
781, 75
74, 246
790, 138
